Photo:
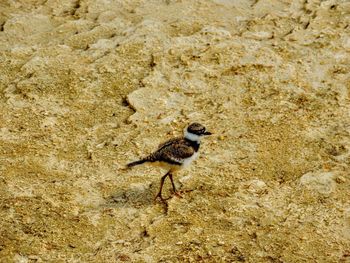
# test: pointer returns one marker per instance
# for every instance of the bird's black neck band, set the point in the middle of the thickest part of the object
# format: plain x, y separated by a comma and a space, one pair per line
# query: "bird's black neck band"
194, 144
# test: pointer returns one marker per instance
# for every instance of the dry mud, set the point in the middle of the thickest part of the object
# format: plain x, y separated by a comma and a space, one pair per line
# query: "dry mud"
87, 86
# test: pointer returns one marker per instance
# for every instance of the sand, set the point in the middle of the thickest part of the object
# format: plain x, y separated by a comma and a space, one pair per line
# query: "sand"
87, 86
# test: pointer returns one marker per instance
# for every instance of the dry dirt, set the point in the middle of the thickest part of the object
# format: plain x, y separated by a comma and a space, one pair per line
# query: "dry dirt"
87, 86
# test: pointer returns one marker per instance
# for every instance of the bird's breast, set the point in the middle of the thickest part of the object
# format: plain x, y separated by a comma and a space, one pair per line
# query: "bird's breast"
187, 161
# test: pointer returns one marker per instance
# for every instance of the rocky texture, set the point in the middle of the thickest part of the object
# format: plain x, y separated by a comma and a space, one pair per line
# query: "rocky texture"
322, 182
87, 86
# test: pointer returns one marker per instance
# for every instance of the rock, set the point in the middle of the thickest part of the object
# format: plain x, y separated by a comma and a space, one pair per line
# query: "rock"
219, 32
321, 182
103, 44
150, 103
346, 216
20, 258
36, 63
26, 25
346, 43
62, 7
340, 179
261, 35
221, 243
257, 186
139, 187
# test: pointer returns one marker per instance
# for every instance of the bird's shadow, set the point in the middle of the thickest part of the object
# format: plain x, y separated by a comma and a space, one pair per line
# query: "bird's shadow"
138, 198
133, 197
141, 196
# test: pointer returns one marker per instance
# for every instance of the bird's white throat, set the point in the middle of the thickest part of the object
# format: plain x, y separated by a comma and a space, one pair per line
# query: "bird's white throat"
192, 137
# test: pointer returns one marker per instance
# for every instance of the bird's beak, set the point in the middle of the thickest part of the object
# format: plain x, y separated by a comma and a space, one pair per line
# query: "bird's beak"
207, 133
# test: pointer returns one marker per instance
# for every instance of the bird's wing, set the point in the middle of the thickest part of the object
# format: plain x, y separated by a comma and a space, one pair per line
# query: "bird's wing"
169, 142
176, 153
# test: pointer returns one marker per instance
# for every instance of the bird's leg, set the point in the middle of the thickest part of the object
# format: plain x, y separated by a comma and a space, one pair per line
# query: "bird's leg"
161, 186
174, 188
172, 182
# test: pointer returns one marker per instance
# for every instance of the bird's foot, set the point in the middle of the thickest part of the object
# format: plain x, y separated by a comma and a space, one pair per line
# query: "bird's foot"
178, 194
159, 196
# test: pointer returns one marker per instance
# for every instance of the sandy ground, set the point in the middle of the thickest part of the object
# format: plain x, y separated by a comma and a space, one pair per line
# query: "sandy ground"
87, 86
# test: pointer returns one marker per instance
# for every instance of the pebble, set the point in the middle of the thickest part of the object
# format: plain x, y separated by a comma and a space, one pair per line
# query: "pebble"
340, 180
257, 186
319, 181
258, 35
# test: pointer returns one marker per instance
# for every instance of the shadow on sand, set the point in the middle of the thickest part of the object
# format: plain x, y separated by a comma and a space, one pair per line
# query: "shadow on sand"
138, 198
133, 197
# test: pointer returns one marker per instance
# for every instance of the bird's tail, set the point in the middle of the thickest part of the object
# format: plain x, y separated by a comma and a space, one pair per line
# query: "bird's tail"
129, 165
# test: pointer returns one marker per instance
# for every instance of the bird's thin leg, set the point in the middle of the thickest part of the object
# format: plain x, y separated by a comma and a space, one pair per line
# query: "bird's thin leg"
172, 182
174, 188
161, 186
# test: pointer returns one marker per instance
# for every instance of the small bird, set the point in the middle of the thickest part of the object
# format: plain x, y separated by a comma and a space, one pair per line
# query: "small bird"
176, 153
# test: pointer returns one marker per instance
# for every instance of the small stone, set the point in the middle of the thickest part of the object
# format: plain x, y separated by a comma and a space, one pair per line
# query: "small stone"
100, 145
196, 242
257, 186
27, 24
321, 182
34, 257
258, 35
346, 43
340, 180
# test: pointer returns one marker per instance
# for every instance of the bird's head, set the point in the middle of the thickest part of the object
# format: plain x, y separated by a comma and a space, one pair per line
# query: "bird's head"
195, 131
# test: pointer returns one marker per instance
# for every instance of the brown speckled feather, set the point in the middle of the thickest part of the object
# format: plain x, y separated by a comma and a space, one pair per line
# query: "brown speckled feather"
169, 142
173, 151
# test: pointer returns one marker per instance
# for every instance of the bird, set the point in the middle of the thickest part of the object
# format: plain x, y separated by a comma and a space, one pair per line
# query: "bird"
175, 154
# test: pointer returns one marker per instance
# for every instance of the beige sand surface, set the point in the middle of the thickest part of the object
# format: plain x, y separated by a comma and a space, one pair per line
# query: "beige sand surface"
87, 86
